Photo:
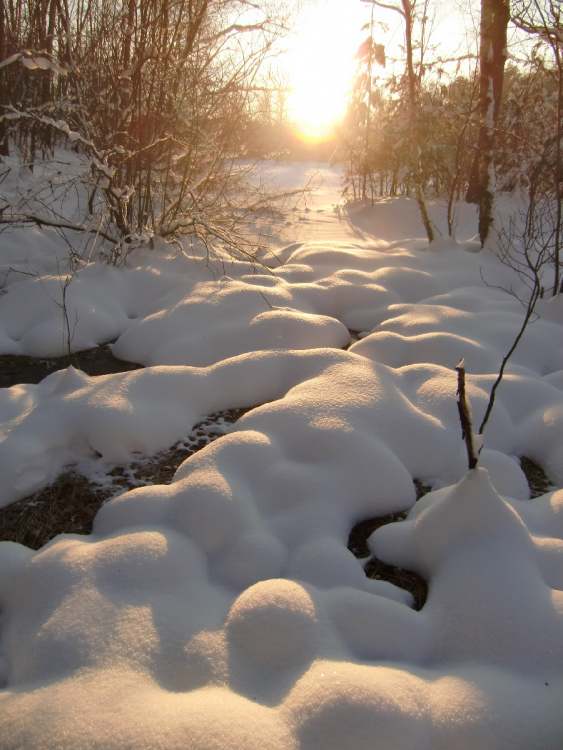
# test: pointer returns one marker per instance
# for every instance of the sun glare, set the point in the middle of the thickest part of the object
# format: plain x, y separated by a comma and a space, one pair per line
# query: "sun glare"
320, 61
320, 64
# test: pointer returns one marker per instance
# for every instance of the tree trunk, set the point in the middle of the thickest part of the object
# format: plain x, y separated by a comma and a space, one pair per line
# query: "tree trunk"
414, 148
492, 56
4, 147
558, 177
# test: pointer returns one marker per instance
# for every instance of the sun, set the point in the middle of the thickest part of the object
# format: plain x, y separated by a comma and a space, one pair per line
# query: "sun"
320, 65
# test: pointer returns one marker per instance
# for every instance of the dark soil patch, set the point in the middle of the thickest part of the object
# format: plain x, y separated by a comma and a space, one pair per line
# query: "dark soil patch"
358, 539
376, 568
69, 505
538, 481
421, 488
405, 579
354, 337
160, 468
16, 369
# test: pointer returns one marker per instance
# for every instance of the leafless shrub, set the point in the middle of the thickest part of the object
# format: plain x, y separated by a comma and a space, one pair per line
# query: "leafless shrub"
149, 96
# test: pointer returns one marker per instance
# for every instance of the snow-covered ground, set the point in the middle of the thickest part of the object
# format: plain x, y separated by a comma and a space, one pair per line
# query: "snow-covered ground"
225, 610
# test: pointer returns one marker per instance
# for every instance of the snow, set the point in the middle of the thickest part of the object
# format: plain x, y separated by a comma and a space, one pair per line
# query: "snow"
225, 610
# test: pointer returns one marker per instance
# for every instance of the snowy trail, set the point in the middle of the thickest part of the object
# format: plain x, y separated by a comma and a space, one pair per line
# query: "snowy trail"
320, 216
317, 215
224, 610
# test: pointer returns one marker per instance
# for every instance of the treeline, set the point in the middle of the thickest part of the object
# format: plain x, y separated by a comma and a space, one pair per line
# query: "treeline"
449, 128
429, 132
159, 99
150, 93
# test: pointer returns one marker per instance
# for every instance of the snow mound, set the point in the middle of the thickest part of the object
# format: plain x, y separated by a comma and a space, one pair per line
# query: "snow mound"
133, 620
224, 609
272, 624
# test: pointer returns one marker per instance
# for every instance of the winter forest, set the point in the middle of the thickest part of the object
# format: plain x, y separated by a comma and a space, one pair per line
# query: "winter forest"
281, 374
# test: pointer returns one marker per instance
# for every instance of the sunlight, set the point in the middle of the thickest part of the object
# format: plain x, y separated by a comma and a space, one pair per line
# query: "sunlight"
320, 64
320, 60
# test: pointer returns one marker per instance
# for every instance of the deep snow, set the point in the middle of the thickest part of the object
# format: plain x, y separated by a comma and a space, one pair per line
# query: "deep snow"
224, 610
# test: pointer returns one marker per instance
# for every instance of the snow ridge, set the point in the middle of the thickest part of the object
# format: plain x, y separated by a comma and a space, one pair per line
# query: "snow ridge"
224, 609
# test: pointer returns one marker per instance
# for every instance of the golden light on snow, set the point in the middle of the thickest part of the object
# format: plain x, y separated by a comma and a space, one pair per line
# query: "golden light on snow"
320, 64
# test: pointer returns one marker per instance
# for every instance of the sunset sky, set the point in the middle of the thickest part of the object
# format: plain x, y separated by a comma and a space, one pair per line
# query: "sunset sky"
319, 59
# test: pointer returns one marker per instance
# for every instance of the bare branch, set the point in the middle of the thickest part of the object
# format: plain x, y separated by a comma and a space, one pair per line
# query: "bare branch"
465, 417
42, 221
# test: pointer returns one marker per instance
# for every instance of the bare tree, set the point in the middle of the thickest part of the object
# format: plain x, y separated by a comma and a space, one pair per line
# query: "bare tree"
150, 95
456, 177
524, 246
409, 10
545, 21
492, 57
413, 86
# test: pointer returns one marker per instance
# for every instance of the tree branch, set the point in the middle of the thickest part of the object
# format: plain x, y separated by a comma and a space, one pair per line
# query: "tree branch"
465, 417
44, 222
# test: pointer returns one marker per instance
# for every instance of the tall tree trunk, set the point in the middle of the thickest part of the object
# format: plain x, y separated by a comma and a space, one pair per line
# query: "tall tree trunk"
414, 148
492, 56
4, 147
558, 177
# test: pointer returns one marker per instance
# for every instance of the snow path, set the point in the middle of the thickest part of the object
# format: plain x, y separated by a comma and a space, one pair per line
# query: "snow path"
224, 610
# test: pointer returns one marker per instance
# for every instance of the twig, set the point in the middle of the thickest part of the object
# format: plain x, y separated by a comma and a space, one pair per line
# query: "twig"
41, 221
465, 416
529, 312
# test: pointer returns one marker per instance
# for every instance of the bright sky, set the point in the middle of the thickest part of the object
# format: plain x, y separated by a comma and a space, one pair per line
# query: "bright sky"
319, 63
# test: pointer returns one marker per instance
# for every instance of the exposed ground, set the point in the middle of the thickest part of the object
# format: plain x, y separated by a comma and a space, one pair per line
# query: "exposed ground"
16, 369
70, 504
